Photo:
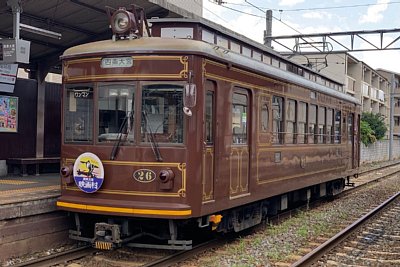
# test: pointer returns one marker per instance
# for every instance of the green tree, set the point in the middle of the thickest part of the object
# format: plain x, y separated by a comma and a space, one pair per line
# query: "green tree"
376, 127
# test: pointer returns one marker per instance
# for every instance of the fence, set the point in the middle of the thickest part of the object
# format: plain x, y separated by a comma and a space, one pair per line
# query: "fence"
379, 151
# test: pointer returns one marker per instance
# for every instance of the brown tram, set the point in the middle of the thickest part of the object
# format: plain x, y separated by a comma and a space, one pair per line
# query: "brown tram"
194, 128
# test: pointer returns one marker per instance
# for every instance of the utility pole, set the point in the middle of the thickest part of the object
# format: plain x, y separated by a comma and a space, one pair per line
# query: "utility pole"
392, 89
268, 31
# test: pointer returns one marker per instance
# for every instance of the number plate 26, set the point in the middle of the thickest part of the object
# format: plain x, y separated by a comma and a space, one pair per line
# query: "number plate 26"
144, 175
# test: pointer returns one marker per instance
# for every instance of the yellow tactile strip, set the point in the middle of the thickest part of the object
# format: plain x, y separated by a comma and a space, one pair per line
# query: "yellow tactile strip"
30, 190
16, 182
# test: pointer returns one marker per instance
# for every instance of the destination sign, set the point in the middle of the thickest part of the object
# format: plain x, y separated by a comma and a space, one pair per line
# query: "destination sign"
116, 62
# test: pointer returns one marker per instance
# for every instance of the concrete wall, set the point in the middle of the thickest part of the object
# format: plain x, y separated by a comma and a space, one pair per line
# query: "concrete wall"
379, 151
194, 6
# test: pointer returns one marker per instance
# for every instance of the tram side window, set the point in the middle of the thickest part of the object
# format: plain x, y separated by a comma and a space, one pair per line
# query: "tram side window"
302, 123
312, 123
350, 128
239, 118
209, 119
290, 122
78, 113
338, 119
116, 112
321, 124
277, 113
264, 127
162, 113
329, 126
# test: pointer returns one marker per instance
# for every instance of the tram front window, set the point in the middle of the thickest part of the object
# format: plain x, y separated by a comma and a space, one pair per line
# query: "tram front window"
116, 107
162, 115
78, 113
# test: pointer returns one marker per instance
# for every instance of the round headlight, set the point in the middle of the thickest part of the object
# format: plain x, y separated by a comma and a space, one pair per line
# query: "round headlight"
166, 175
121, 21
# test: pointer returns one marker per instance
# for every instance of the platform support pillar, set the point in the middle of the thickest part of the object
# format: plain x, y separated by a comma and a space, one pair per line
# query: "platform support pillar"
39, 75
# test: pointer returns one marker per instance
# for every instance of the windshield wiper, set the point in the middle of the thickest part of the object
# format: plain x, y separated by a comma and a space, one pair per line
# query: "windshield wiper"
117, 144
154, 144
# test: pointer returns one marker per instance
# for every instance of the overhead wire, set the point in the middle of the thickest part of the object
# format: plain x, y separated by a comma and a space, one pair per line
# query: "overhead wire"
264, 17
319, 8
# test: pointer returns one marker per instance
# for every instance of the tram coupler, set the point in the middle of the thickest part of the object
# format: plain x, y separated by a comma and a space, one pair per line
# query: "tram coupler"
107, 236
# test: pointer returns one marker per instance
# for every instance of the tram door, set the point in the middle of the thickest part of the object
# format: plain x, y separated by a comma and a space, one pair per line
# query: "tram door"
208, 164
353, 138
239, 157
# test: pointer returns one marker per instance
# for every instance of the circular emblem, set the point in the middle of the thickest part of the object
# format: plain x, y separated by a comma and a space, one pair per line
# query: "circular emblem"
144, 175
88, 172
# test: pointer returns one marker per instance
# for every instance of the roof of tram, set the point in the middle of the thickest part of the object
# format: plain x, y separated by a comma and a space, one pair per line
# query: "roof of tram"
78, 21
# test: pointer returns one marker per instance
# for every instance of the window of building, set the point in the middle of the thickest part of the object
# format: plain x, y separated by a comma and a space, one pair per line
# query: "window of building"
396, 121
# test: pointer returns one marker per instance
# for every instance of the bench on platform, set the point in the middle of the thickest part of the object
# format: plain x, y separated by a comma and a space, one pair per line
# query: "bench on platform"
24, 162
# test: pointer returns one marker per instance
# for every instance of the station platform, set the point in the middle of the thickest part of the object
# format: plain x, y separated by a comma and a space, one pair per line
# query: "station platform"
29, 220
29, 195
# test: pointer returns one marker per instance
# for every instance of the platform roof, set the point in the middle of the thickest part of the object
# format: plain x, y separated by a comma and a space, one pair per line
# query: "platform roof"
79, 21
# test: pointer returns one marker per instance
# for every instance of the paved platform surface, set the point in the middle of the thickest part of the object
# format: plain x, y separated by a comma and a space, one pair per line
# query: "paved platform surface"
17, 189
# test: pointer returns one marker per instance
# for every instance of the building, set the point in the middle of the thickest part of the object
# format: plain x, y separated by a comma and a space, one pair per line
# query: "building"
394, 79
360, 80
193, 6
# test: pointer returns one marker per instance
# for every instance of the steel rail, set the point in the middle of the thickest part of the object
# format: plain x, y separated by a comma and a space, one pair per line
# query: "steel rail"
321, 250
379, 168
183, 255
59, 258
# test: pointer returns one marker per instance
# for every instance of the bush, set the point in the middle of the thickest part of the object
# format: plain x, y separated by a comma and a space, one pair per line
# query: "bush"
373, 127
367, 134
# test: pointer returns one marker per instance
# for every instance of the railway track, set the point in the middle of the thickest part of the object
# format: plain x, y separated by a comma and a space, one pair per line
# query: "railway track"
166, 258
59, 258
377, 245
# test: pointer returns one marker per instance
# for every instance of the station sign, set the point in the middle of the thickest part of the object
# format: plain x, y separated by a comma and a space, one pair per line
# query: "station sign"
14, 51
8, 77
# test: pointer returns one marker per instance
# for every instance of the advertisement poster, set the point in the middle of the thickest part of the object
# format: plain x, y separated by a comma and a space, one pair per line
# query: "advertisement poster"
8, 114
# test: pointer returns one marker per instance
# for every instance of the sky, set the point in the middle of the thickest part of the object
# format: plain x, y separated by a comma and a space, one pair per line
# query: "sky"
292, 17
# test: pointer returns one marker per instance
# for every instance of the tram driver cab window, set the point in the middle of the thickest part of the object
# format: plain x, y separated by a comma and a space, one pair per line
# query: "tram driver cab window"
78, 113
116, 107
162, 113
